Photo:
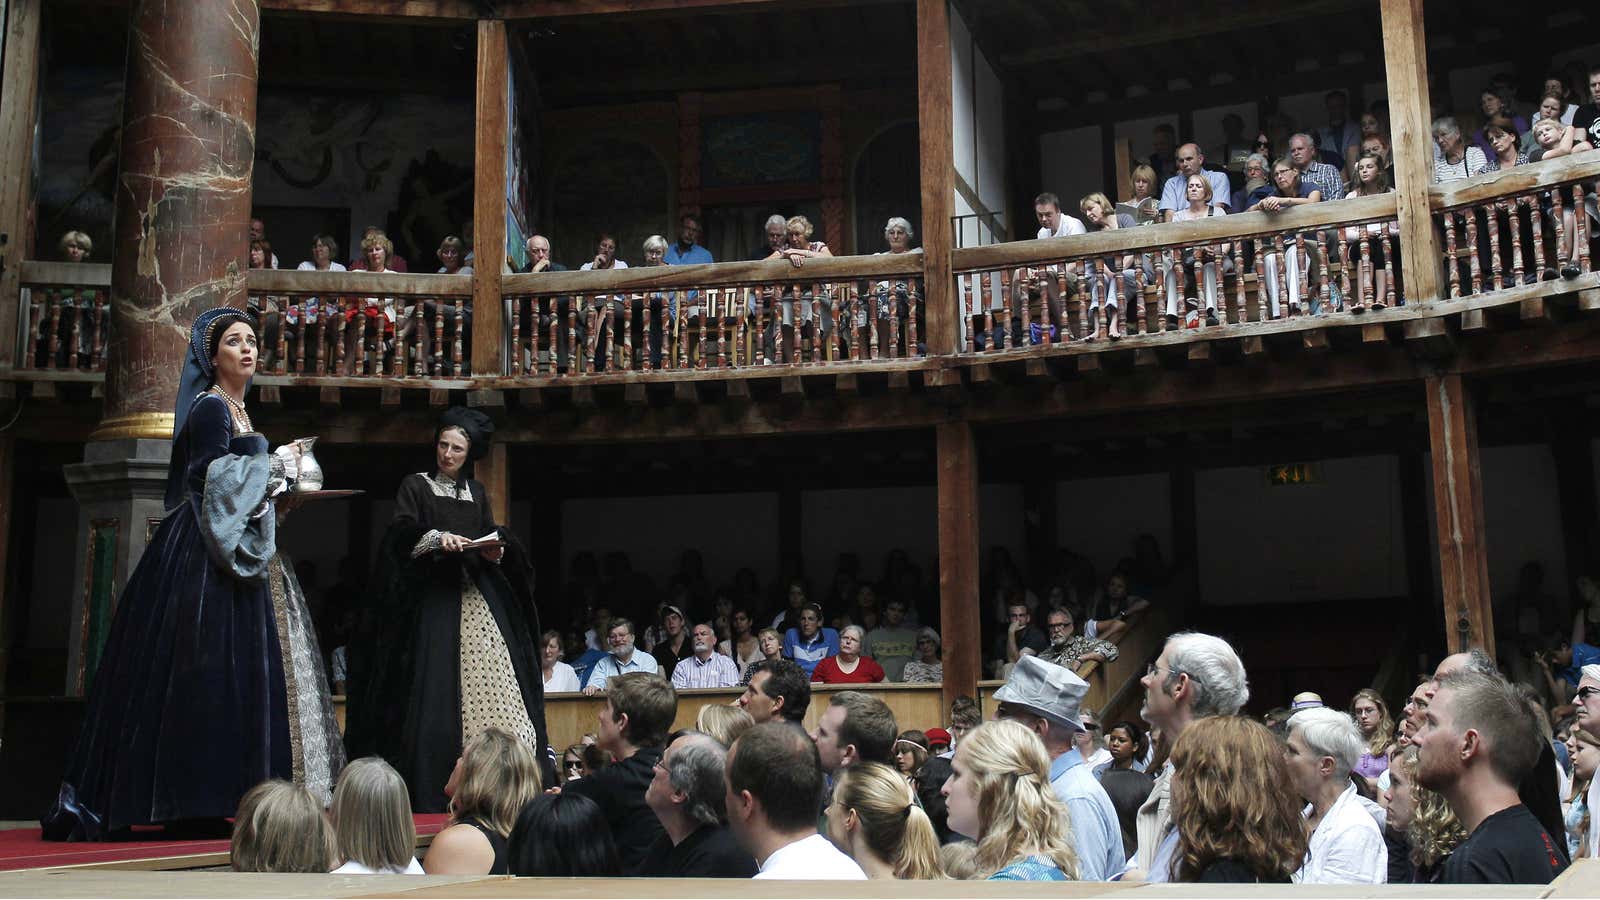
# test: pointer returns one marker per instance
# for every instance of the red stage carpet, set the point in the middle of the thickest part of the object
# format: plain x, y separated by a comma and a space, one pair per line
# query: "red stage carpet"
22, 848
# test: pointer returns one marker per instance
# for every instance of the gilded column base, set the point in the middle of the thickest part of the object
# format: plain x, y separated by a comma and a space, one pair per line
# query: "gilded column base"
152, 425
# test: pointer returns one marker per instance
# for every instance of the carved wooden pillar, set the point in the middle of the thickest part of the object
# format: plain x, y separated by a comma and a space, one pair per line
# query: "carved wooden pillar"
18, 106
1405, 58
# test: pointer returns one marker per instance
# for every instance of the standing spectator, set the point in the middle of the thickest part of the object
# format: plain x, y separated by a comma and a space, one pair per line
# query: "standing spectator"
997, 795
1458, 159
777, 689
559, 678
874, 816
705, 667
1127, 743
848, 666
770, 644
855, 728
723, 723
810, 643
1234, 820
910, 752
1346, 840
495, 776
686, 794
1432, 830
1234, 149
1342, 135
774, 789
624, 658
639, 710
1588, 719
1191, 162
372, 824
1045, 699
1089, 743
1320, 175
687, 251
893, 643
562, 836
1196, 675
1496, 107
1585, 750
1371, 715
1475, 746
927, 667
280, 828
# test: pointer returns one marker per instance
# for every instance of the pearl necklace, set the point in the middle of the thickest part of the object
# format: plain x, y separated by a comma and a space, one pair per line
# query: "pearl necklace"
241, 418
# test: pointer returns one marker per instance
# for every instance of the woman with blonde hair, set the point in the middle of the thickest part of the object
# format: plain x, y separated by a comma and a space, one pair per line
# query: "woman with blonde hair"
1584, 747
280, 828
494, 778
999, 795
1433, 830
1371, 715
723, 723
875, 818
372, 825
1235, 819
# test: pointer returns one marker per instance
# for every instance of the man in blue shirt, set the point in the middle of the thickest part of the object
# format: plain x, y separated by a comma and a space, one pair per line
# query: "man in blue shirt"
1568, 658
622, 660
687, 251
810, 643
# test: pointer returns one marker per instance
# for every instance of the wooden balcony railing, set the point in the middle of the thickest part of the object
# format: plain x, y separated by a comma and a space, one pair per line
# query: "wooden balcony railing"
1045, 292
1517, 226
842, 310
63, 312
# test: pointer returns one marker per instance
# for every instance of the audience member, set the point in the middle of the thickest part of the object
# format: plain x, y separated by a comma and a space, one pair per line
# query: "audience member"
1089, 741
855, 728
1207, 263
848, 666
1163, 138
874, 817
1112, 279
927, 668
724, 723
539, 259
1325, 178
1290, 190
959, 860
910, 752
687, 251
1346, 844
623, 659
1587, 116
1191, 163
809, 642
1584, 747
258, 232
1433, 832
1496, 108
1127, 743
1234, 820
998, 795
451, 255
563, 835
687, 795
1458, 159
776, 233
1070, 649
671, 642
559, 678
391, 261
770, 644
1342, 135
778, 689
374, 833
1503, 151
705, 667
743, 644
1371, 715
279, 827
495, 776
1474, 749
633, 726
1196, 675
774, 789
1045, 698
893, 644
1023, 638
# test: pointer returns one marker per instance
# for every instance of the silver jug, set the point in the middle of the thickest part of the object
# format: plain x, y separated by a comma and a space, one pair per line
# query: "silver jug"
310, 470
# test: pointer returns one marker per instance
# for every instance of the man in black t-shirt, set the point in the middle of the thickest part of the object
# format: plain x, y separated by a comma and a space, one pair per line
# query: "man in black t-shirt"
640, 707
1477, 742
1587, 118
687, 795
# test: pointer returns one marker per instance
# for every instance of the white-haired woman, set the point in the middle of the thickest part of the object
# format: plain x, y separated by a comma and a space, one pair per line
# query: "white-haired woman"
891, 300
1459, 159
372, 824
849, 666
1347, 845
999, 795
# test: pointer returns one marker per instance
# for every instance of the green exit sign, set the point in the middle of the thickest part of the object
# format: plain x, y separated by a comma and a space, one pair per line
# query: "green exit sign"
1292, 474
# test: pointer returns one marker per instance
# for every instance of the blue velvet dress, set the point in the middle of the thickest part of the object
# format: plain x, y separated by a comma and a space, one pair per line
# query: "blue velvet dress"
193, 701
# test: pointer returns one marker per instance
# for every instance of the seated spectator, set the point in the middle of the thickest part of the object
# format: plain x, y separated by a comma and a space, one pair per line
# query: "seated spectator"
372, 825
875, 818
724, 723
1191, 162
927, 667
770, 644
810, 643
774, 789
1458, 159
1555, 140
258, 232
1145, 205
392, 261
374, 314
1256, 175
1346, 845
623, 659
1127, 743
563, 836
323, 250
688, 796
910, 752
1112, 280
776, 233
75, 246
1128, 790
1022, 638
1378, 145
848, 666
1503, 150
855, 728
1342, 135
1070, 649
1320, 175
494, 778
280, 828
605, 255
705, 667
1475, 747
777, 689
639, 711
744, 644
893, 644
1234, 820
1290, 190
1371, 716
1371, 180
1046, 699
1207, 263
559, 678
1551, 106
539, 258
451, 253
1497, 109
687, 251
796, 599
999, 795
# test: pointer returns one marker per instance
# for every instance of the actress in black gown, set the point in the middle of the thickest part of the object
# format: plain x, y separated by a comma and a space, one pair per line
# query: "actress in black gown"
445, 646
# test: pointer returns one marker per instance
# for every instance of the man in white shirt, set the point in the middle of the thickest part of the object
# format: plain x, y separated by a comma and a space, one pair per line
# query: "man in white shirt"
706, 668
1053, 223
774, 792
1192, 162
1347, 844
623, 658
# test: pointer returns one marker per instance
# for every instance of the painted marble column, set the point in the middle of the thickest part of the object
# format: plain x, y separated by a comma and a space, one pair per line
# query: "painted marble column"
183, 197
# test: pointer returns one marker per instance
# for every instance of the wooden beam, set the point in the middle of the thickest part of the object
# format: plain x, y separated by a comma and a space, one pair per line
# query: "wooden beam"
489, 200
294, 281
1575, 490
935, 126
8, 463
959, 603
1458, 509
494, 471
1520, 179
777, 271
411, 10
1405, 56
18, 104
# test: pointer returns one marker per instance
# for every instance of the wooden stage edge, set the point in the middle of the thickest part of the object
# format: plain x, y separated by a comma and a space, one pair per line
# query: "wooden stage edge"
1583, 880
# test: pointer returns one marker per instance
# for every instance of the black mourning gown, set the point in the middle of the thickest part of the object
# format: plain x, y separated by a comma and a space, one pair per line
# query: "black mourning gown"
405, 688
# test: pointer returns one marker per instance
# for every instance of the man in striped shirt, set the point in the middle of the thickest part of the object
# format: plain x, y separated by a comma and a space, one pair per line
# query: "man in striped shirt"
706, 668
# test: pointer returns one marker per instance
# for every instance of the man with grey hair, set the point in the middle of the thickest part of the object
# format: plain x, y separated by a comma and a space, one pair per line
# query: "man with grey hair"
687, 794
1473, 749
1587, 701
776, 232
1320, 175
1196, 675
1347, 844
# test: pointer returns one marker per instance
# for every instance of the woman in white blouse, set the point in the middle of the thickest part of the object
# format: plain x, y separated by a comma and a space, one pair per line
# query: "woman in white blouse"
558, 676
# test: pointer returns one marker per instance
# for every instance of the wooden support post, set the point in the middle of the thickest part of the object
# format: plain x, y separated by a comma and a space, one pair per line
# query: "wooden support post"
935, 123
18, 104
1458, 507
489, 200
1424, 611
8, 463
1575, 491
1405, 58
959, 604
493, 470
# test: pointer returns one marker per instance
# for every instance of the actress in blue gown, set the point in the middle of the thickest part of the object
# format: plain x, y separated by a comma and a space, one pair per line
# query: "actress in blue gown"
210, 681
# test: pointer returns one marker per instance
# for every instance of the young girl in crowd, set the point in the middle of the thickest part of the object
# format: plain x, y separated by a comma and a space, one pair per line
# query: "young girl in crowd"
279, 827
1371, 715
1373, 272
372, 825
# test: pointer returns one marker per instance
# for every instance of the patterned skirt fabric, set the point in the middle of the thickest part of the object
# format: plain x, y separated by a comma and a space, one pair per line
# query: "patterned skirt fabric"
318, 748
490, 696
